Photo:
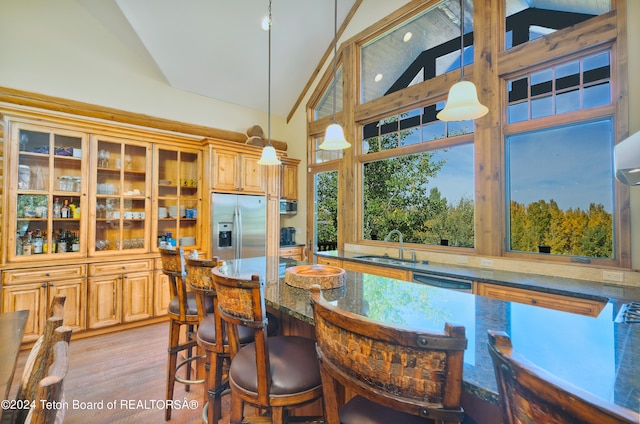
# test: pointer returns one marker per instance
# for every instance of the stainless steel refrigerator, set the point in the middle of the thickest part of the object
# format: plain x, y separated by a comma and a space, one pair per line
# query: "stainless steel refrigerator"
239, 225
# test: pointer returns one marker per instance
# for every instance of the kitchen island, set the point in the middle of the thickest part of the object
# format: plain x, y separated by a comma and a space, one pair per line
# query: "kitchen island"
593, 353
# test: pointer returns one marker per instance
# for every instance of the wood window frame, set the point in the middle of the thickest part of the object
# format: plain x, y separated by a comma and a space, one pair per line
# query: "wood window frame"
492, 65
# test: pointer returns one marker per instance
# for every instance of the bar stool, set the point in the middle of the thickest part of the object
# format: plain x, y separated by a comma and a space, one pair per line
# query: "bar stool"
182, 311
273, 374
529, 393
212, 335
398, 375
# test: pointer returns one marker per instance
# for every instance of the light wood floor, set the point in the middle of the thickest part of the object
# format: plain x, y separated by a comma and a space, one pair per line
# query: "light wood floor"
125, 367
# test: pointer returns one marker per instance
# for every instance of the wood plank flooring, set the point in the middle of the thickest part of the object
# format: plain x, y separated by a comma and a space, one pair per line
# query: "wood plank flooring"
128, 368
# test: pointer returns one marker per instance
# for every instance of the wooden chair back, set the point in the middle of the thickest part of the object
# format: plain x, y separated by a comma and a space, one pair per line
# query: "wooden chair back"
200, 281
50, 389
416, 372
529, 394
241, 302
41, 355
173, 266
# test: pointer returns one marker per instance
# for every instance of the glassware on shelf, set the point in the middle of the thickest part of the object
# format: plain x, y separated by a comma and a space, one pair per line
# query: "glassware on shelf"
24, 177
38, 181
103, 158
128, 161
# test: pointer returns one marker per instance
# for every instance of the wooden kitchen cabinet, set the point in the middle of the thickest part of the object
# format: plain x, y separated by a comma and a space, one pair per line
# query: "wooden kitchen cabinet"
294, 252
398, 274
161, 293
289, 179
34, 289
47, 166
119, 292
546, 300
121, 201
235, 171
178, 190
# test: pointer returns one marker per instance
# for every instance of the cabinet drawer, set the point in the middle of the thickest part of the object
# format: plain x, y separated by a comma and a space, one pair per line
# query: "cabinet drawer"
119, 267
398, 274
546, 300
296, 253
43, 274
328, 261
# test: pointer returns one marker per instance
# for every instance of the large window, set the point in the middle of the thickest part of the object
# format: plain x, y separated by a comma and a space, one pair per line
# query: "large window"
560, 174
326, 210
561, 190
417, 50
428, 196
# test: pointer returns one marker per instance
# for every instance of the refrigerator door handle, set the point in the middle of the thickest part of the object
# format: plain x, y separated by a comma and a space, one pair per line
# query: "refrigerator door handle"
239, 233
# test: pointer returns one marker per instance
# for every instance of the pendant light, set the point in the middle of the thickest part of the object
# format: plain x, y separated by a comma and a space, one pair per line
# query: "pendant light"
462, 102
269, 156
334, 137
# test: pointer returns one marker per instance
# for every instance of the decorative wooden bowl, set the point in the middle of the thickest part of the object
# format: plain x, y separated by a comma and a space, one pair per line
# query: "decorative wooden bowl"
304, 276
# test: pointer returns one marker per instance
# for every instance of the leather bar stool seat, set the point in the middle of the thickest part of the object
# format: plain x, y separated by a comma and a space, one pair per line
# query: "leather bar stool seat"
287, 355
192, 307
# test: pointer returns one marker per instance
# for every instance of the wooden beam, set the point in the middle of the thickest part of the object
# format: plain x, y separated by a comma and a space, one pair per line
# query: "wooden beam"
324, 58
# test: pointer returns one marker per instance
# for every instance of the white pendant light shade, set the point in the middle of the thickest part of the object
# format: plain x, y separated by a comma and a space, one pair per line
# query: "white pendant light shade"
462, 103
269, 156
334, 139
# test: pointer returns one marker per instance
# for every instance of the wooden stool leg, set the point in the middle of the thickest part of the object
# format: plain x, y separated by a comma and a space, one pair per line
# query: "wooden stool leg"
236, 413
174, 337
217, 364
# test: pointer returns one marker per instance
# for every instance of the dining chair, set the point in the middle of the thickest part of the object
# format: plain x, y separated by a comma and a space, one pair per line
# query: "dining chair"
50, 390
273, 374
530, 394
40, 357
182, 312
394, 374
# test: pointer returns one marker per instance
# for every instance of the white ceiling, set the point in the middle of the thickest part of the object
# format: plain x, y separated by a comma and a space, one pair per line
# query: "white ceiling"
217, 48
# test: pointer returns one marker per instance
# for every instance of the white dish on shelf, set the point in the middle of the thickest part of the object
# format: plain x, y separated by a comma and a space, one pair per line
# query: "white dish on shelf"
187, 241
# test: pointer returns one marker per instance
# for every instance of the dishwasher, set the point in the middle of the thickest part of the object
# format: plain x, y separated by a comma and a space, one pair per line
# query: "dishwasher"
451, 283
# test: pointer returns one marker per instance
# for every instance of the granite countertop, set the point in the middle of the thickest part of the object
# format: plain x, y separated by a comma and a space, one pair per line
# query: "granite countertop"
617, 294
595, 354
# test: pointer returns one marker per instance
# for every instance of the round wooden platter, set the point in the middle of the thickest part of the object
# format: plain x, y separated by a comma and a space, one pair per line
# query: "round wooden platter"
304, 276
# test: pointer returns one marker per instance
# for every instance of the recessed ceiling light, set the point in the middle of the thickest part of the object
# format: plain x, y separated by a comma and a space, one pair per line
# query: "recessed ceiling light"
407, 36
378, 78
265, 23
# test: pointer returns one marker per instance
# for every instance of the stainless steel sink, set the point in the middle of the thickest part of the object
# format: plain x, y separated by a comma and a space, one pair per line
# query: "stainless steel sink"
387, 260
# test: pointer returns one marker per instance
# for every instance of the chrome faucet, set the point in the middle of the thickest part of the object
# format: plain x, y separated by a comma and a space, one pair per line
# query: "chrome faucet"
401, 249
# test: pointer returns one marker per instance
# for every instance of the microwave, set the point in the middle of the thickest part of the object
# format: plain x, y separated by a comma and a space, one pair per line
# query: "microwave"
288, 207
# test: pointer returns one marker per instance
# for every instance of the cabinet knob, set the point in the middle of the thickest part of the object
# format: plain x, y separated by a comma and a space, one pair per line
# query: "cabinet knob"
533, 301
47, 275
44, 285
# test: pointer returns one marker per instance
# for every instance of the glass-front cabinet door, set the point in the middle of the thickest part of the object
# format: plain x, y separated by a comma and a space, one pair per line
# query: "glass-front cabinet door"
121, 199
178, 212
48, 205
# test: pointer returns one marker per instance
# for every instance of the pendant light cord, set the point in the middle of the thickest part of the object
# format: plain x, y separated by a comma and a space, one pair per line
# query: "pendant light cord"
269, 84
461, 39
335, 57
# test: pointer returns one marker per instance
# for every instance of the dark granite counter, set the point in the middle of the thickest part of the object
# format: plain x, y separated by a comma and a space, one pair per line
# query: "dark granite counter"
595, 354
614, 293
